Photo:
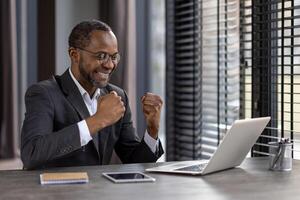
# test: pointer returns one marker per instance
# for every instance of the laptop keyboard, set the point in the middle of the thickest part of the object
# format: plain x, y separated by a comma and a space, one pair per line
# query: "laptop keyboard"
193, 168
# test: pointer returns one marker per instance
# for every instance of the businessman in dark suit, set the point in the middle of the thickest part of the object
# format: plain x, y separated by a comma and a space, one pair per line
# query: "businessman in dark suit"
78, 118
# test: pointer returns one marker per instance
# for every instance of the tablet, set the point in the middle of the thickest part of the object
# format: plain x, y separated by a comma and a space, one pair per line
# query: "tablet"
128, 177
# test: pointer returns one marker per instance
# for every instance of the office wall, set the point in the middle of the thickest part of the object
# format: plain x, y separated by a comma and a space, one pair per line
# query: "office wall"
67, 14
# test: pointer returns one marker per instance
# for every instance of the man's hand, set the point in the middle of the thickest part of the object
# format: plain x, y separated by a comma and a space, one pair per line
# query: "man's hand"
152, 104
109, 110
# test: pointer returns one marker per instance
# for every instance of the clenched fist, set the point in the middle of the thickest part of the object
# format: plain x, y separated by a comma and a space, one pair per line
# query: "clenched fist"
109, 110
152, 105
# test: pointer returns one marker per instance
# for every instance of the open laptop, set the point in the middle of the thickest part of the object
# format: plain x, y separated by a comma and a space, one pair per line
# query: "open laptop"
231, 152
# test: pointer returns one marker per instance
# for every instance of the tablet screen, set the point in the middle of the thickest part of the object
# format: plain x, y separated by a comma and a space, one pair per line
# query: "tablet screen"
123, 177
127, 176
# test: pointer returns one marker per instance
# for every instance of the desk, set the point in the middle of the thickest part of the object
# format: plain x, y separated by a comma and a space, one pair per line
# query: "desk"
252, 180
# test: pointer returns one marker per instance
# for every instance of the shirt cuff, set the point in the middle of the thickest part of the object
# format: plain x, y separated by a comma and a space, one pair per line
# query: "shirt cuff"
151, 142
84, 133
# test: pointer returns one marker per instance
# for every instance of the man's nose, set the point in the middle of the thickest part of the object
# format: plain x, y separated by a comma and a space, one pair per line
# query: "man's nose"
109, 64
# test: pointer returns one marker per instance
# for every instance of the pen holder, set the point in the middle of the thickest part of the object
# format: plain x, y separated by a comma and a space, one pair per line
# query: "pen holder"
280, 155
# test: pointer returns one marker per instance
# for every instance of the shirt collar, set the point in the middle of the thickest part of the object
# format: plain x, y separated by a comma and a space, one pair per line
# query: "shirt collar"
82, 91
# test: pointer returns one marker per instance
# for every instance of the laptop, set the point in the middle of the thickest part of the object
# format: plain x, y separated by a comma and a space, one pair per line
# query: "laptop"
231, 152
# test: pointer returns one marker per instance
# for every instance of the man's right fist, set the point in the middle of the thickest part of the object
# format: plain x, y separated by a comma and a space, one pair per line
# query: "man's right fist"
109, 110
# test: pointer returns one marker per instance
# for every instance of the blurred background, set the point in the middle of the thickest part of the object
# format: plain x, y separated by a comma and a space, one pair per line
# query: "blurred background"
212, 62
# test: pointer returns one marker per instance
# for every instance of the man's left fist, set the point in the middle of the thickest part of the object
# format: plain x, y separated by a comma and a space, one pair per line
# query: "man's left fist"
152, 105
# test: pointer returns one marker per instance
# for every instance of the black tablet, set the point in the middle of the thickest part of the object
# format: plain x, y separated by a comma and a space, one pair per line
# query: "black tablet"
128, 177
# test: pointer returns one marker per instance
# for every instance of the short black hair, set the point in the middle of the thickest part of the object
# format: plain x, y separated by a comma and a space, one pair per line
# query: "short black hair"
80, 35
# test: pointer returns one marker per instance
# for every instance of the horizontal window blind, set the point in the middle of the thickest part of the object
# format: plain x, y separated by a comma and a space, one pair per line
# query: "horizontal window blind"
270, 61
220, 71
183, 92
202, 75
245, 58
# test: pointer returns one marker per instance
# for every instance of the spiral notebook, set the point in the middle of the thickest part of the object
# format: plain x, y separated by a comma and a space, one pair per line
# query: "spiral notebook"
63, 178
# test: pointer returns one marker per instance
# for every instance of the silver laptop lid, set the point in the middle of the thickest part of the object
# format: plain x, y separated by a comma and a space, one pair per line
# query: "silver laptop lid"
236, 144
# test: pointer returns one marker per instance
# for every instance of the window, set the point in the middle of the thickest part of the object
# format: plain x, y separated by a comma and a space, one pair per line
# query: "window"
229, 59
220, 71
202, 75
270, 61
158, 59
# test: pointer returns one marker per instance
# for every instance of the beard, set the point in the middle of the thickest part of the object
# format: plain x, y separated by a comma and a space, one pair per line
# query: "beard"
95, 78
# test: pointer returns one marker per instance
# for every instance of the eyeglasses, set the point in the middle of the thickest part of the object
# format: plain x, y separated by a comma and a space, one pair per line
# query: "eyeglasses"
103, 57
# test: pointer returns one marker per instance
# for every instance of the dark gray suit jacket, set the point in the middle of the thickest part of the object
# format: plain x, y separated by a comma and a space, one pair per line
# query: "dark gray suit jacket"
50, 135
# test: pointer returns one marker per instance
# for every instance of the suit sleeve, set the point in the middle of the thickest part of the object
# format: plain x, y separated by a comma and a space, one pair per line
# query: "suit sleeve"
129, 147
39, 143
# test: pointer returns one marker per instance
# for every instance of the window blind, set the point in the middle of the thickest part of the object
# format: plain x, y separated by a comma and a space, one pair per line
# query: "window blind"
183, 75
202, 75
220, 71
270, 64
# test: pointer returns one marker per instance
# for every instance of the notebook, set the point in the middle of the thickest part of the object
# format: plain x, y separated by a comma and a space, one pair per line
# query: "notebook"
63, 178
231, 152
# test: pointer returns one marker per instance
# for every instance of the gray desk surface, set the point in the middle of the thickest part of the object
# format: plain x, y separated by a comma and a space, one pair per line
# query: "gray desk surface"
252, 180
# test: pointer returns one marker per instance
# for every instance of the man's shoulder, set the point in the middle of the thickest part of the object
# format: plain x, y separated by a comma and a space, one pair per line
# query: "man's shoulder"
48, 85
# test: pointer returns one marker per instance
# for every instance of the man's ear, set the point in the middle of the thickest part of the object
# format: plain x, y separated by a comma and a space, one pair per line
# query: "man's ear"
74, 55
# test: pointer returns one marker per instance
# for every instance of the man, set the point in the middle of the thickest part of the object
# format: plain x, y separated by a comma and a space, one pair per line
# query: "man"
78, 118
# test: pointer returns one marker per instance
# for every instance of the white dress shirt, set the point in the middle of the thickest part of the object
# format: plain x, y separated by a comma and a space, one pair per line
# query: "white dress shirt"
91, 105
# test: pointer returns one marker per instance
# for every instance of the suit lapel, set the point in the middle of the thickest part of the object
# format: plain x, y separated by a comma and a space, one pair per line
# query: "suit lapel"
74, 97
